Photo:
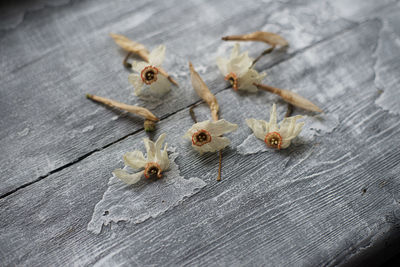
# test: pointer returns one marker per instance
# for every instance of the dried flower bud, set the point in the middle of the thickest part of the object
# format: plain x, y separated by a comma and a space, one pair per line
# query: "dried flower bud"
149, 126
141, 111
290, 97
202, 90
267, 37
131, 46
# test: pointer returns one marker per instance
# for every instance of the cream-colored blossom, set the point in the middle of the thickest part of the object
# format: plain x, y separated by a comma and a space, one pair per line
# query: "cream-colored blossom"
237, 70
273, 135
149, 74
206, 135
156, 162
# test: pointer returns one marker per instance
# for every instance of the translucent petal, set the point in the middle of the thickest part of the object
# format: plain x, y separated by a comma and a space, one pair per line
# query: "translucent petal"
235, 51
222, 65
258, 127
135, 159
150, 149
164, 160
216, 144
138, 66
246, 82
137, 83
127, 177
196, 127
156, 56
161, 86
220, 127
273, 126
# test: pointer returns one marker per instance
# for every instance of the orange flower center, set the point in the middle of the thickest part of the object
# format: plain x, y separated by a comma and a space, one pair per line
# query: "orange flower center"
152, 170
201, 137
232, 78
274, 140
149, 74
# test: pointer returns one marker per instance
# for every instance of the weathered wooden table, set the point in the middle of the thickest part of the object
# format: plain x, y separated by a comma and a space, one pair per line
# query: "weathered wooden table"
332, 198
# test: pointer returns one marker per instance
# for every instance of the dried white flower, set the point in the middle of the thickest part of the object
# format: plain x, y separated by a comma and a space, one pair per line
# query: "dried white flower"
237, 70
273, 135
206, 135
157, 161
150, 74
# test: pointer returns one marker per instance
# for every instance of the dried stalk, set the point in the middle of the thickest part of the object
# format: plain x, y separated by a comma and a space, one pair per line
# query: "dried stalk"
202, 90
267, 37
290, 97
137, 49
141, 111
131, 46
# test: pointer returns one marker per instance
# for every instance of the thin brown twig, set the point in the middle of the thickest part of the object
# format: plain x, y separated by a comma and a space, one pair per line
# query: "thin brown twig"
125, 61
219, 166
289, 110
267, 51
192, 114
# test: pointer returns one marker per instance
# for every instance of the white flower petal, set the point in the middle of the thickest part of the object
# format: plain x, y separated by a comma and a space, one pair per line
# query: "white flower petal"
161, 86
135, 159
150, 149
246, 82
127, 177
220, 127
137, 83
285, 144
156, 56
258, 127
216, 144
163, 161
222, 65
138, 66
195, 128
235, 51
273, 126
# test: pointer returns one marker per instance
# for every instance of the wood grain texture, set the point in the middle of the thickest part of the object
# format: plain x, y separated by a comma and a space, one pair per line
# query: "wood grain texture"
49, 63
317, 203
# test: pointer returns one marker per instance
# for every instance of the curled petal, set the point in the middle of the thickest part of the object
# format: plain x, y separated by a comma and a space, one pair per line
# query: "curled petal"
273, 126
135, 159
216, 144
160, 87
246, 82
220, 127
157, 55
258, 128
222, 64
138, 66
137, 83
127, 177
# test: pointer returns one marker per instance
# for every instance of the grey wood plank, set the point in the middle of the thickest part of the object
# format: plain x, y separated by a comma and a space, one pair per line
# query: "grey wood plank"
57, 54
316, 203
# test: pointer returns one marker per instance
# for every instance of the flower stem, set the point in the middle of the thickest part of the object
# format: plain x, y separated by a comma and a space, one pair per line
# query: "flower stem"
219, 166
289, 110
267, 51
125, 61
